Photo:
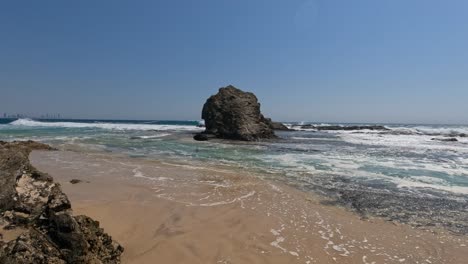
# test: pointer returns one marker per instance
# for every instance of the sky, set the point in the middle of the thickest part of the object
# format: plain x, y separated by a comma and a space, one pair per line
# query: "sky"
392, 61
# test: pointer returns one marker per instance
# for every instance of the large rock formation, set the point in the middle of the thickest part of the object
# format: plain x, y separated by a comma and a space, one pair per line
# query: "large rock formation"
235, 114
34, 208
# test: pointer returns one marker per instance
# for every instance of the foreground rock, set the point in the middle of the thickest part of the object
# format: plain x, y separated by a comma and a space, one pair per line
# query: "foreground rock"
235, 114
35, 207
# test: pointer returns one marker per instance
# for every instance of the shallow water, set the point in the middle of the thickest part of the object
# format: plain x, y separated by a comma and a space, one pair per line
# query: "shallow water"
224, 215
377, 172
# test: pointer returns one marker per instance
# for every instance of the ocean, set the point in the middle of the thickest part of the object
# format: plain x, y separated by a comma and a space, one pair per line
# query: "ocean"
406, 173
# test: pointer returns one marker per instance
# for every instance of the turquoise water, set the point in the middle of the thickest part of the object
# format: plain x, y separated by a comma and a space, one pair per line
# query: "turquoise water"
404, 158
401, 173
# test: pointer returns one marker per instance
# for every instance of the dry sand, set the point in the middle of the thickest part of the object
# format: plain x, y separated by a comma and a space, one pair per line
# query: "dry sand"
172, 213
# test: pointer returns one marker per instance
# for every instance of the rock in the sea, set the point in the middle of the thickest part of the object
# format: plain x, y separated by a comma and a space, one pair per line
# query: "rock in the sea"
346, 128
457, 135
445, 139
200, 137
31, 202
235, 114
278, 126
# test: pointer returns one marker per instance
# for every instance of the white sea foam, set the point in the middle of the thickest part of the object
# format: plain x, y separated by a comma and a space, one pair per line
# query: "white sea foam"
412, 184
397, 130
138, 174
397, 170
154, 136
237, 199
312, 139
431, 130
103, 125
415, 142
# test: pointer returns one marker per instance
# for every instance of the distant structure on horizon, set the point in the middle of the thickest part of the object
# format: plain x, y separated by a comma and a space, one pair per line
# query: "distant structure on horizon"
38, 116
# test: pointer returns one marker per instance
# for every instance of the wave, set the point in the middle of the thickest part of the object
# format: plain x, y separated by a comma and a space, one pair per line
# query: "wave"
104, 125
427, 130
151, 136
403, 173
432, 131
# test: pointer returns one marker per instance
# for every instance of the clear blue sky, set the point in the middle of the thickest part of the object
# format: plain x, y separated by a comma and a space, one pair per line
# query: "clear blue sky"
330, 60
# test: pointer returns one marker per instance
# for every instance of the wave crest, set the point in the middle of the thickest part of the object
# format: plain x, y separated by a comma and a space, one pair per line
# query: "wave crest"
104, 125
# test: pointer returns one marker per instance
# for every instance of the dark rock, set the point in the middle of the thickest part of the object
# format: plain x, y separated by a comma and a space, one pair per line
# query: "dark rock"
372, 127
346, 128
30, 200
100, 243
278, 126
308, 126
25, 146
57, 201
75, 181
445, 139
235, 114
30, 248
200, 137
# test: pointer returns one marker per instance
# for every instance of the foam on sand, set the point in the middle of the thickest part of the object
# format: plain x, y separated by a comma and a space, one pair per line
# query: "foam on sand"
247, 220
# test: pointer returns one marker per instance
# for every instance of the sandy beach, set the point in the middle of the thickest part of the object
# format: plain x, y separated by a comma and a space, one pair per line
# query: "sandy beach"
174, 213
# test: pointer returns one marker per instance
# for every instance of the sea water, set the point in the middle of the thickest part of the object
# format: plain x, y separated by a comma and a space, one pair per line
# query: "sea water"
381, 172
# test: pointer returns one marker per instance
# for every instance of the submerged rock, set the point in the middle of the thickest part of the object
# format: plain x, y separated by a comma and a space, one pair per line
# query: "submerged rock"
30, 201
235, 114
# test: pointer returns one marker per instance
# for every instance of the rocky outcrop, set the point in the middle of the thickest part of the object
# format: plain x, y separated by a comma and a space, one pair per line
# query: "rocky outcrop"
235, 114
445, 139
278, 126
345, 128
33, 204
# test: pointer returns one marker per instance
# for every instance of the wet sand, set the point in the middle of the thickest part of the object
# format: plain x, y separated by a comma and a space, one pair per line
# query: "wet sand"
172, 213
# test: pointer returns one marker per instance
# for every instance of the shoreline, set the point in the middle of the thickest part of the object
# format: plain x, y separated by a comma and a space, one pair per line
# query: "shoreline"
177, 214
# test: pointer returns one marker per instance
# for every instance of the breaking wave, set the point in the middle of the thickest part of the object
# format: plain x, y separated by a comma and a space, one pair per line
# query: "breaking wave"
105, 125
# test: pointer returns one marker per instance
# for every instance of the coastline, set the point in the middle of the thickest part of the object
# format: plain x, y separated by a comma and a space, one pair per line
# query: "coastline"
180, 214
